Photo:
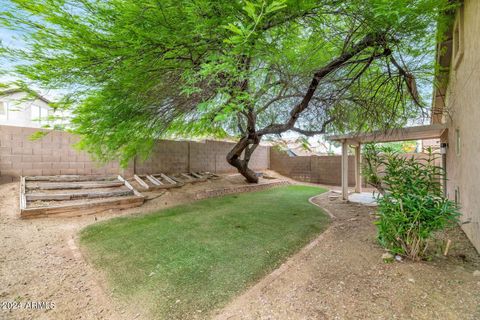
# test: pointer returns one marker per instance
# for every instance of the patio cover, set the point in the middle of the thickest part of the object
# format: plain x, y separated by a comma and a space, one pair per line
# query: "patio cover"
432, 131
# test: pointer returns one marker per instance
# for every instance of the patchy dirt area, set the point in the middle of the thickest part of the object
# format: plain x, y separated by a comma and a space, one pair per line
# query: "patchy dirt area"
338, 276
342, 276
40, 260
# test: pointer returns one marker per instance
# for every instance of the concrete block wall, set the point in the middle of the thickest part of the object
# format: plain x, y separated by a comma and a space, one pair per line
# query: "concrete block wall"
52, 155
315, 169
327, 170
167, 157
322, 169
55, 154
299, 168
212, 155
183, 156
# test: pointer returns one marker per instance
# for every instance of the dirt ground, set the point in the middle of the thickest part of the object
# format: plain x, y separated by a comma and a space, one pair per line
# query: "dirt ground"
338, 276
341, 275
40, 260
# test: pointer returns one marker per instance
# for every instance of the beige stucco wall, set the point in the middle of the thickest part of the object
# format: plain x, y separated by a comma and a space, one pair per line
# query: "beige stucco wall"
463, 113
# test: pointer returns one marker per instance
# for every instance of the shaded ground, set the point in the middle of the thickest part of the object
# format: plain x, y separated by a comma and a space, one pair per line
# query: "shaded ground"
183, 262
342, 276
40, 261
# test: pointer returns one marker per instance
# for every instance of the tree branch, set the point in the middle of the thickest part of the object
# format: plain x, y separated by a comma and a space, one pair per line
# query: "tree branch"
409, 80
366, 42
310, 133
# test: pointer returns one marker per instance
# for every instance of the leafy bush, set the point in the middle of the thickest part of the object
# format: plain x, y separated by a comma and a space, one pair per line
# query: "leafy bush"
372, 163
412, 206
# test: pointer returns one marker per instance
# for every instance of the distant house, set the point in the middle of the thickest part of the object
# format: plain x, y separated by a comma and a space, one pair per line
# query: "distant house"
25, 109
301, 151
300, 147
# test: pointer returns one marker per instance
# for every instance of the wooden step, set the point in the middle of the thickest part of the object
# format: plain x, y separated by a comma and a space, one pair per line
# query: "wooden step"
154, 180
77, 195
75, 185
141, 182
84, 208
70, 178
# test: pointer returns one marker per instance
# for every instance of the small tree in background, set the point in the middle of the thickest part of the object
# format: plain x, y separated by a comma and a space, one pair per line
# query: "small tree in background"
411, 207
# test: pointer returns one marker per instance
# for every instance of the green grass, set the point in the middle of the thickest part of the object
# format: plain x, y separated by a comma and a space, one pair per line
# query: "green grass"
198, 256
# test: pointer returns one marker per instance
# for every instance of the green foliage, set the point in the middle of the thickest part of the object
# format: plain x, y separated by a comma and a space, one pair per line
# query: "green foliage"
199, 256
372, 162
401, 147
139, 70
37, 135
412, 207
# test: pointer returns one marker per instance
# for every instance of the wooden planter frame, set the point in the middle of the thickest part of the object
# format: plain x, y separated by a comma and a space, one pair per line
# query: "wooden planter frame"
150, 182
91, 203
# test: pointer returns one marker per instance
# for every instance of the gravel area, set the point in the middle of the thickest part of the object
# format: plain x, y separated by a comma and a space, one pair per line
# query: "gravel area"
341, 275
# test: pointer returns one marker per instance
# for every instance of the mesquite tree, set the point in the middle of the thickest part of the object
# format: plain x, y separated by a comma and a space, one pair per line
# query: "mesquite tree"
135, 71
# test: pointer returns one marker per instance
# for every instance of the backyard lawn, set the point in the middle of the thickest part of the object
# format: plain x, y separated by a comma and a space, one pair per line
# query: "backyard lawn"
184, 262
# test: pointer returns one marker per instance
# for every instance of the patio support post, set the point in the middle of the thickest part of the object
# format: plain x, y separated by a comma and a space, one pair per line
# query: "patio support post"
358, 169
344, 170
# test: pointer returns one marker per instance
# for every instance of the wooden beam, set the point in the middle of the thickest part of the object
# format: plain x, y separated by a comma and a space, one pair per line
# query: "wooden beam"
140, 181
211, 175
344, 170
74, 185
196, 175
186, 176
167, 178
178, 180
84, 208
154, 180
23, 199
77, 195
166, 182
70, 178
358, 169
129, 186
194, 178
431, 131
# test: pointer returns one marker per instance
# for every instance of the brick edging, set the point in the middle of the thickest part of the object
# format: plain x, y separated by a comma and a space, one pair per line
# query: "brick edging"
241, 189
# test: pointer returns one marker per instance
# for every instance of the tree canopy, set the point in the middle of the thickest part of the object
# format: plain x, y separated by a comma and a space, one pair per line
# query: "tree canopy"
136, 71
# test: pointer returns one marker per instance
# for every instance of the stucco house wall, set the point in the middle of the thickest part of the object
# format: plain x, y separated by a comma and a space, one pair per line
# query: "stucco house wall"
462, 115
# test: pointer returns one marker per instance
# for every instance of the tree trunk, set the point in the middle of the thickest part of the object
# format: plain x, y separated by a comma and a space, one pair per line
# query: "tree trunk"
245, 146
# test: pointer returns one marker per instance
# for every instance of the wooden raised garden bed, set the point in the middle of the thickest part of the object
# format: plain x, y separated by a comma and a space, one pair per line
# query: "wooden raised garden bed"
42, 196
155, 181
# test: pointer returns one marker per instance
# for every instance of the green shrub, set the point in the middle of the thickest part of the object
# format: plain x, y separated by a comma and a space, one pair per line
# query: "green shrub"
412, 206
372, 164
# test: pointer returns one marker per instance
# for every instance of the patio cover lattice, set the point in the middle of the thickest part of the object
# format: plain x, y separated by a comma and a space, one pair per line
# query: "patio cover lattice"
432, 131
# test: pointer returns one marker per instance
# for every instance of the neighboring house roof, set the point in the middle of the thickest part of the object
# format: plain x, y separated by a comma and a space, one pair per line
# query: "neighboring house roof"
29, 91
298, 148
300, 151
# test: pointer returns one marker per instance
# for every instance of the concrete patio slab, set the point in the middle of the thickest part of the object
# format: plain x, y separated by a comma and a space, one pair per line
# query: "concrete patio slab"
366, 198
